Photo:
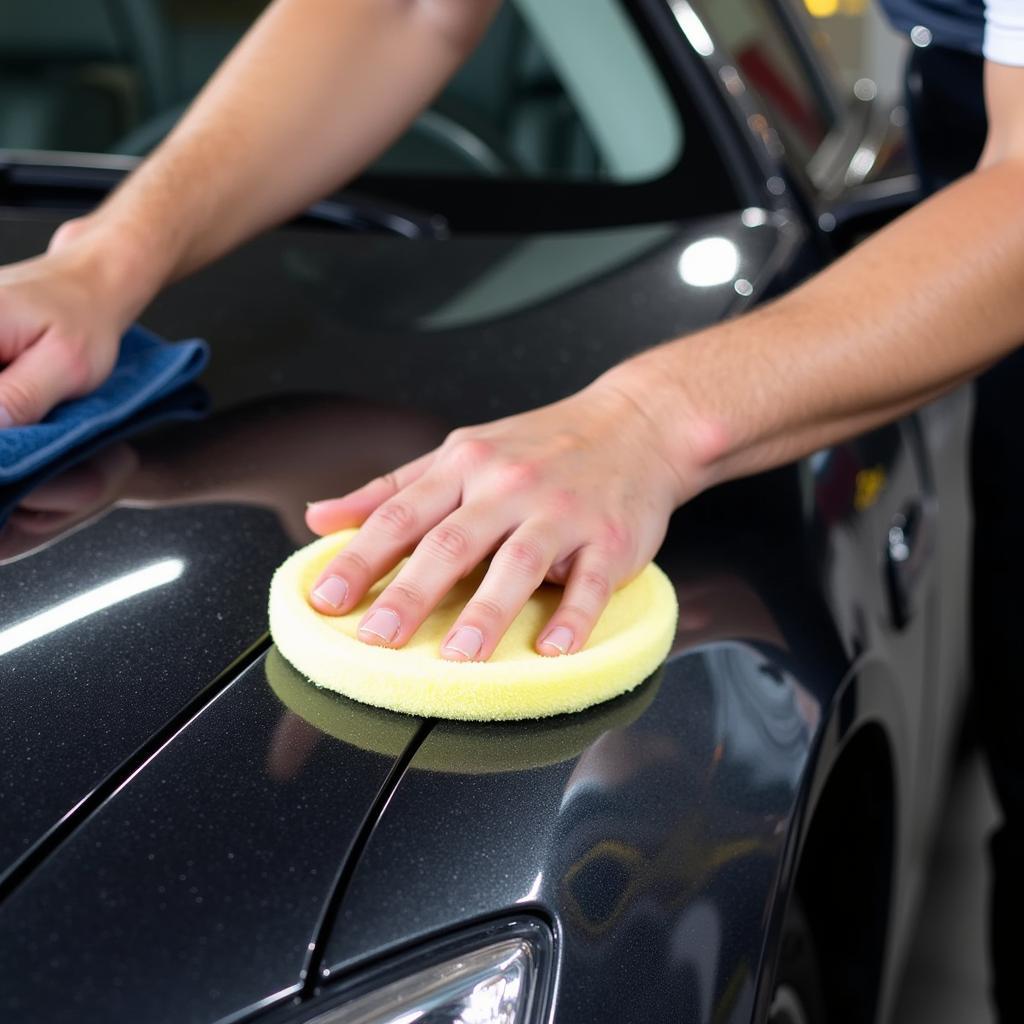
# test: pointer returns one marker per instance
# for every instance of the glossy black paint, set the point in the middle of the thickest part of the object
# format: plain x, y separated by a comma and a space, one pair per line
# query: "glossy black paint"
81, 700
657, 847
117, 675
194, 892
224, 498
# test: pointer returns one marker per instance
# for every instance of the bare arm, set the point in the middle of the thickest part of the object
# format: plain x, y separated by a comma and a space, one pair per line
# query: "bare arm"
580, 492
922, 305
312, 94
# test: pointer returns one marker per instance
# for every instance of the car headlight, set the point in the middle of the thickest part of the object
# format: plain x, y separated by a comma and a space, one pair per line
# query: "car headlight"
504, 981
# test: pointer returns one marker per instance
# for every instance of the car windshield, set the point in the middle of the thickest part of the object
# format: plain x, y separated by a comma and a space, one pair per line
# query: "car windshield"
566, 107
539, 99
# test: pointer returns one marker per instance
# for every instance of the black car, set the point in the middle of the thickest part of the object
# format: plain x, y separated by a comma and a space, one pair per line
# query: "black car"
192, 832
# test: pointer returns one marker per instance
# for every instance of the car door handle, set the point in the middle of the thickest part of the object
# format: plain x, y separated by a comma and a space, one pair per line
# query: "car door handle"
907, 550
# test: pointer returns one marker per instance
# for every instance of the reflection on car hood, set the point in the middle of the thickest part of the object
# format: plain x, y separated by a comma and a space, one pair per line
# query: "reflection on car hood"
335, 357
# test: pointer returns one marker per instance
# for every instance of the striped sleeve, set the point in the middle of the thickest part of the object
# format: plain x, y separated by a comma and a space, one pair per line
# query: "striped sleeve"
1004, 31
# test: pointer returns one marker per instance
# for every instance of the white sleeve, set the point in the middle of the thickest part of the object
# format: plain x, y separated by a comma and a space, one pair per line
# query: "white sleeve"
1004, 31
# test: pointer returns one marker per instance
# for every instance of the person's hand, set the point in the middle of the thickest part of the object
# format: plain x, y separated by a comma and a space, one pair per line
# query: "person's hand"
578, 493
61, 318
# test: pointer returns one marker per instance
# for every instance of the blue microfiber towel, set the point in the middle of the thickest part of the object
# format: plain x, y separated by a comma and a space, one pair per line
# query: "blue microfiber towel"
147, 368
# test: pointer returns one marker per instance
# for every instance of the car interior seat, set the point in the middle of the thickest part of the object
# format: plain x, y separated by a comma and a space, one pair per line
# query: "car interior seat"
74, 75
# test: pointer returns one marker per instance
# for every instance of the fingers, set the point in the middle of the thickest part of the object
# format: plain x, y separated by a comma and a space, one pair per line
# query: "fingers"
43, 375
447, 553
587, 593
456, 542
334, 514
516, 571
448, 542
387, 535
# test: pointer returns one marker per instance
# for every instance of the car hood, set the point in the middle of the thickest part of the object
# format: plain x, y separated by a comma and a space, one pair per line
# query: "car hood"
159, 792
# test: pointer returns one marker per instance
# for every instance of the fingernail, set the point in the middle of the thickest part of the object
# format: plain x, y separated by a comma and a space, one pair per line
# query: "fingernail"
560, 638
467, 641
6, 419
332, 591
382, 623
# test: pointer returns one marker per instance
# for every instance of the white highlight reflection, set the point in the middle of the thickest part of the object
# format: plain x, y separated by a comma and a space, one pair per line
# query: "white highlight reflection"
709, 262
861, 163
534, 892
91, 601
693, 28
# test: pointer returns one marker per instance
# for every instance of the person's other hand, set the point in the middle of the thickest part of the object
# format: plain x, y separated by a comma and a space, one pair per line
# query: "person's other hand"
578, 493
61, 318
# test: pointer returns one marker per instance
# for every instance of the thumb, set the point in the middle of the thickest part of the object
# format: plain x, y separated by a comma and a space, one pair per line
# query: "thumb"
43, 375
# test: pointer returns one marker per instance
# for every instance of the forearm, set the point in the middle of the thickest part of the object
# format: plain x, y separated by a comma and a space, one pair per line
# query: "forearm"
311, 95
911, 312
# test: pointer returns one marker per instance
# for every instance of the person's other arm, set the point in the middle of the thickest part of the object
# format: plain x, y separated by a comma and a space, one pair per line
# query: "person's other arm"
922, 305
580, 492
313, 92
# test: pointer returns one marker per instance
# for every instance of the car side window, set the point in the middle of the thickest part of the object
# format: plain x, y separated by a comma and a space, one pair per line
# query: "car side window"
756, 35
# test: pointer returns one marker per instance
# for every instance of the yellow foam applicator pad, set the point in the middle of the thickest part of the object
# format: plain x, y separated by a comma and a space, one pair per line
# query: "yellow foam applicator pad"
629, 642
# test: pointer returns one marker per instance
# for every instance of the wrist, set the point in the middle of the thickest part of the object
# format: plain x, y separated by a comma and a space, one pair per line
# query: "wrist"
121, 271
688, 440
